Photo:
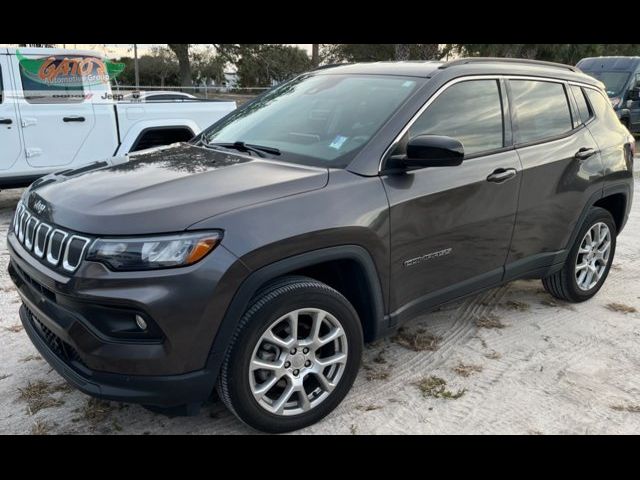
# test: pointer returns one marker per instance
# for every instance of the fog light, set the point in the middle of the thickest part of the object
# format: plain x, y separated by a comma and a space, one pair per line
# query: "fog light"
142, 325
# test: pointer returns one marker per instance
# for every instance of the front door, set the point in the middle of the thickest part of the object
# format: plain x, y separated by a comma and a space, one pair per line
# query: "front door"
10, 142
56, 116
451, 227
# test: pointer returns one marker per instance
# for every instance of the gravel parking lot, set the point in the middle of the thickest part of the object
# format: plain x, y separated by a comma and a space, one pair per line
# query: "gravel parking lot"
512, 360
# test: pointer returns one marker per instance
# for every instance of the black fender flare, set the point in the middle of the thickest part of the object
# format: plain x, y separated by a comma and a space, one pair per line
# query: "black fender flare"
258, 278
607, 190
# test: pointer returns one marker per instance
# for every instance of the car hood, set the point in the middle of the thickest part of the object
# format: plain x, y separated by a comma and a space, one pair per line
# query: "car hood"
164, 190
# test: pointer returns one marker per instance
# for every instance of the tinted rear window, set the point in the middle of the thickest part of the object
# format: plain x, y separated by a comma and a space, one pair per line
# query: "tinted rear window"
542, 110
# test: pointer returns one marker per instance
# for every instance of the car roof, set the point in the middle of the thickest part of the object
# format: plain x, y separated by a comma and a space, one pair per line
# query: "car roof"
621, 64
405, 69
464, 66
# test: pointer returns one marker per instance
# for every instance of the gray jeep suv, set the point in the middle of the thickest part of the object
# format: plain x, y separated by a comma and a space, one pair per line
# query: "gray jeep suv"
260, 256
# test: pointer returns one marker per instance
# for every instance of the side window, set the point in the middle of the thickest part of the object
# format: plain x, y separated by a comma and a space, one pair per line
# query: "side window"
542, 109
63, 88
469, 111
602, 109
583, 107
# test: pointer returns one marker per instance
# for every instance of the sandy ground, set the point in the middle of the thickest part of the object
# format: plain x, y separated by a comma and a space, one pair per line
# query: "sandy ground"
509, 361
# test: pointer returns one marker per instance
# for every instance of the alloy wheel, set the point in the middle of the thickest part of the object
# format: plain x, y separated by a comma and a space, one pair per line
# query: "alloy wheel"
298, 361
593, 256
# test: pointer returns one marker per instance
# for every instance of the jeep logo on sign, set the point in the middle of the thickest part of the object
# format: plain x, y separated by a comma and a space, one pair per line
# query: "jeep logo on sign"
39, 207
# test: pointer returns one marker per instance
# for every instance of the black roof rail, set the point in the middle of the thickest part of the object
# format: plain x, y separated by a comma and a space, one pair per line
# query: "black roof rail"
466, 61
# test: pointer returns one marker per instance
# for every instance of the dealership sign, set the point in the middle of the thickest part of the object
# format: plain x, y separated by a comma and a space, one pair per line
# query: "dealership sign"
69, 71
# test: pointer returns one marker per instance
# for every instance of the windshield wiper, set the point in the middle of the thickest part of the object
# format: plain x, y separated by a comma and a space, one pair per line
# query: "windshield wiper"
259, 150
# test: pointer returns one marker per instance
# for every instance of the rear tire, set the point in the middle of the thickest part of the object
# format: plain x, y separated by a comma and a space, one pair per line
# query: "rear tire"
280, 372
587, 257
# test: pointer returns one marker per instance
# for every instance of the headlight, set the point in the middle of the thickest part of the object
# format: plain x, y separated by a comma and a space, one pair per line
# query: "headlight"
148, 253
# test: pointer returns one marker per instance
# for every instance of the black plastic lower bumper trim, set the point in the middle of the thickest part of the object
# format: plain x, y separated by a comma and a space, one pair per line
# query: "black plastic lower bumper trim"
161, 391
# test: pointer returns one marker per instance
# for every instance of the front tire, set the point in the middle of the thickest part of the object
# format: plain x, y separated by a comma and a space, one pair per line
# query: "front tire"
293, 357
589, 261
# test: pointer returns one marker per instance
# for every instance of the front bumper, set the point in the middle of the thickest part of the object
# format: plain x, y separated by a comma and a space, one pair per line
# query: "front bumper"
70, 319
162, 391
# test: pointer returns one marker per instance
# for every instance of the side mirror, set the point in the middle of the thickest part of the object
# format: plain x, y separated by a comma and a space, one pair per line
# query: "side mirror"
431, 151
634, 94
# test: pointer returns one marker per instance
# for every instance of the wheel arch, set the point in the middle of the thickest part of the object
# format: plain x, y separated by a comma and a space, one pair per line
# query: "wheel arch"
367, 299
602, 199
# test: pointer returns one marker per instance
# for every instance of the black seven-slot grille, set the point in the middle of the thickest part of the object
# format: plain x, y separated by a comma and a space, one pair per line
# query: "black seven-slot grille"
49, 243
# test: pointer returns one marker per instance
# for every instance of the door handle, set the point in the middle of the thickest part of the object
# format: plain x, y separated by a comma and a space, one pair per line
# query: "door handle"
73, 119
585, 153
502, 175
6, 121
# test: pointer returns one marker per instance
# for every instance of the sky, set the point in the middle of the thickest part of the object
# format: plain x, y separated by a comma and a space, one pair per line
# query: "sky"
117, 50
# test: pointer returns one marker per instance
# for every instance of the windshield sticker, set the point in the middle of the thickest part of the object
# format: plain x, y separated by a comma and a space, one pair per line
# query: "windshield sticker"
408, 84
338, 142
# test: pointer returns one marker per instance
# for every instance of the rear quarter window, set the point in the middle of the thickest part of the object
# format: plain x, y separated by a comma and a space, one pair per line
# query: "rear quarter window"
542, 110
602, 109
584, 110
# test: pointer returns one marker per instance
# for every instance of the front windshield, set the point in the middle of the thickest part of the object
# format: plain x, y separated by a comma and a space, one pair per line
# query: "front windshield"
614, 82
320, 120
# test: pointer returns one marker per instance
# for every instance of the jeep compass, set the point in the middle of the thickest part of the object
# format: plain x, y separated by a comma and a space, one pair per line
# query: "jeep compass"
259, 257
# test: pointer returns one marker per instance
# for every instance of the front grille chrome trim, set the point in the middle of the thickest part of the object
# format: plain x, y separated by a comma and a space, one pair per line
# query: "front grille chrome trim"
40, 253
28, 239
24, 217
16, 218
53, 246
65, 261
54, 260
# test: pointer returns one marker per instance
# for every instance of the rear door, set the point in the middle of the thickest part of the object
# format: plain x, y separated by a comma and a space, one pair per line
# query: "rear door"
10, 141
57, 116
561, 170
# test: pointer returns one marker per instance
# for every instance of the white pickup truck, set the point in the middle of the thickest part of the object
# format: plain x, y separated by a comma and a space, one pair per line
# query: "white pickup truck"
55, 115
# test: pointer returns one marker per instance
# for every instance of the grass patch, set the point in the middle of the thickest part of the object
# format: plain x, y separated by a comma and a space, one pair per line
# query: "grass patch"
30, 358
380, 358
418, 341
493, 355
489, 321
465, 370
436, 387
626, 408
95, 411
621, 307
368, 408
373, 374
14, 328
353, 430
37, 395
41, 428
516, 305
